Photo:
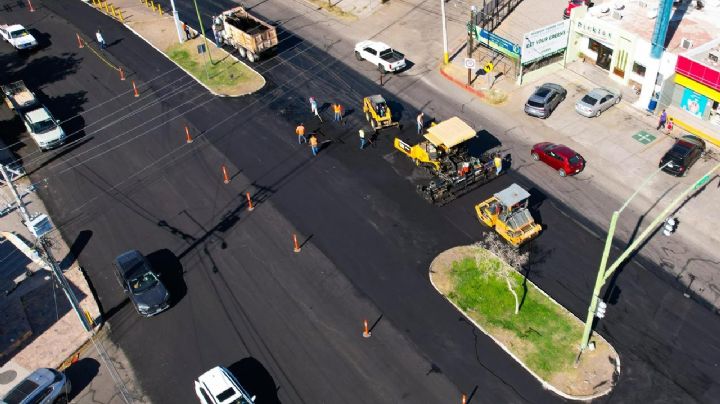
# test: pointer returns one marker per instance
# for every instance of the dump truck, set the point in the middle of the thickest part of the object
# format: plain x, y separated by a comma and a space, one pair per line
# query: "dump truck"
18, 96
453, 155
251, 36
378, 113
507, 212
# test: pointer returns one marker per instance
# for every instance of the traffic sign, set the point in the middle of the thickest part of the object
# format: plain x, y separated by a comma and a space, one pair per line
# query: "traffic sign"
488, 67
469, 63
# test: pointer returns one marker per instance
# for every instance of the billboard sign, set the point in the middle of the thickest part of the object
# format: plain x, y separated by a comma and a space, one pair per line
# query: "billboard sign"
545, 41
693, 102
497, 42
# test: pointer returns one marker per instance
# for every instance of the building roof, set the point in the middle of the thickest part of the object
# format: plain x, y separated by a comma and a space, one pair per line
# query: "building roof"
698, 26
450, 133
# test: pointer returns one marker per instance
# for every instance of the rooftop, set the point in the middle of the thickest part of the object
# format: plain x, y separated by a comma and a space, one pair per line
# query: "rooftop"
687, 22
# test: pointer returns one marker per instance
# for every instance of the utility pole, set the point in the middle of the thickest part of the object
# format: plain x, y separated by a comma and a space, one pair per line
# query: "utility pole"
605, 273
177, 21
446, 56
471, 31
202, 31
49, 259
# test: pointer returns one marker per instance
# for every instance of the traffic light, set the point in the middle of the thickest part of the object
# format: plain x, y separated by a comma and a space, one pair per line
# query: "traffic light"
601, 308
670, 226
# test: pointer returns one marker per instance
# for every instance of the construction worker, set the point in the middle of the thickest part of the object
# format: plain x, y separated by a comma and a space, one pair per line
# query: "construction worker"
300, 131
498, 163
337, 109
314, 144
314, 108
420, 123
363, 141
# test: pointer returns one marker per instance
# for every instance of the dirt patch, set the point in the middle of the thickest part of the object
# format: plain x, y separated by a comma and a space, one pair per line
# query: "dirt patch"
592, 376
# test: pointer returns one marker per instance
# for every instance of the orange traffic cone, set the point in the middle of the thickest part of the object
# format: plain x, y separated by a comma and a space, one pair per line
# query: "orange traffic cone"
226, 177
188, 139
366, 330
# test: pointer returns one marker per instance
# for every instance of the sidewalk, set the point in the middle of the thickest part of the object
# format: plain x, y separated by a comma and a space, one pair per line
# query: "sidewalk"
39, 328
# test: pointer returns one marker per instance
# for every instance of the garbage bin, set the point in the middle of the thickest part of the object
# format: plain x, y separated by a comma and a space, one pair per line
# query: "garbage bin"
652, 105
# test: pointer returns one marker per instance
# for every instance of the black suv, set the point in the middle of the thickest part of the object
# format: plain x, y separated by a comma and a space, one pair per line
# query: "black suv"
684, 153
545, 99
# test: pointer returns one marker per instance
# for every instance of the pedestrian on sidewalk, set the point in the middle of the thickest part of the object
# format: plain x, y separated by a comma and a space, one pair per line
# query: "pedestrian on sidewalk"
100, 39
363, 141
300, 131
420, 123
186, 29
663, 119
498, 163
669, 126
216, 37
314, 144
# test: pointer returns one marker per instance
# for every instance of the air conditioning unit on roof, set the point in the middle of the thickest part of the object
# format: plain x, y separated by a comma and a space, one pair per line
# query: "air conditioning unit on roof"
686, 43
617, 15
714, 56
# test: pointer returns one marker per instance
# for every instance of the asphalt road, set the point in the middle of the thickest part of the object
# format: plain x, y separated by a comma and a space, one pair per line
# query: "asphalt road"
245, 300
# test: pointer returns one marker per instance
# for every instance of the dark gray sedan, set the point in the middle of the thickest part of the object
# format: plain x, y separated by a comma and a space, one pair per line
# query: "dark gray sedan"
141, 283
545, 99
597, 101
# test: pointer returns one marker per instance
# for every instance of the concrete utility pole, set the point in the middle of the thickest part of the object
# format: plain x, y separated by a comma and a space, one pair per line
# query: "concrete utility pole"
471, 31
446, 56
50, 260
176, 18
605, 273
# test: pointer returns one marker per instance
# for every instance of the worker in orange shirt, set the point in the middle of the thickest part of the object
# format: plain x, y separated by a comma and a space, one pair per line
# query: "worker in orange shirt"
300, 131
337, 109
314, 144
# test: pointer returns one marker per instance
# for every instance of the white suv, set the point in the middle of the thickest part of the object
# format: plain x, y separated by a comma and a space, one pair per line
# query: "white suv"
43, 128
219, 386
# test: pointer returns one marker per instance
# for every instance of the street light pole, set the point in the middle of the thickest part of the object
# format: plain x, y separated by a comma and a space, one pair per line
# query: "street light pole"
177, 21
202, 31
471, 31
605, 273
446, 56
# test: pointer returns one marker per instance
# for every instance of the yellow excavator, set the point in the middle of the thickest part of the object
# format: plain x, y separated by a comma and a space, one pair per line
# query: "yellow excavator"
507, 212
378, 113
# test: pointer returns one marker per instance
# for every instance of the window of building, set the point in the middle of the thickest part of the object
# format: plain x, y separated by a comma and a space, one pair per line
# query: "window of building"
638, 69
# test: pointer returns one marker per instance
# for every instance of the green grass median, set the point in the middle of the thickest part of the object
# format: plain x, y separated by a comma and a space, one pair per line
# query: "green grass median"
542, 335
225, 75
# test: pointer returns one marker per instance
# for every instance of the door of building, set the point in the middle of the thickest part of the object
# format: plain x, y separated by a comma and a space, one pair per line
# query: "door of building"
604, 54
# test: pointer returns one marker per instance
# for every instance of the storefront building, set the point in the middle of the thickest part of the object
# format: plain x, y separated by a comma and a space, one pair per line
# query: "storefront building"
697, 84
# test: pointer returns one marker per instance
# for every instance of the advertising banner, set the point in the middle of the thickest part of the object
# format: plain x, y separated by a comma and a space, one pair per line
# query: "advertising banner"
693, 102
545, 41
497, 42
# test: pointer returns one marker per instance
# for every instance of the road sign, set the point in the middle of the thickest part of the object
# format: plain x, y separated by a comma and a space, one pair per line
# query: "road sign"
488, 67
702, 181
469, 63
201, 49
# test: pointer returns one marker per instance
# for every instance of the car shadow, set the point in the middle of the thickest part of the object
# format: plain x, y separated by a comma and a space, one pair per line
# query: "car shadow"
80, 374
43, 39
253, 376
168, 267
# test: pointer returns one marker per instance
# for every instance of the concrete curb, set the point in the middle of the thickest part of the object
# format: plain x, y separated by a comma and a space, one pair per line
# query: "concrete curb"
461, 84
211, 91
544, 383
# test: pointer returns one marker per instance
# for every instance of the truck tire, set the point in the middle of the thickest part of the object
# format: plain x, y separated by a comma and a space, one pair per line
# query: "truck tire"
251, 56
358, 56
241, 51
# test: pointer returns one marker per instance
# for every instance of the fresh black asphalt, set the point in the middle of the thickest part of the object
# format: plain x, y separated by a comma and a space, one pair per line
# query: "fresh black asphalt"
241, 300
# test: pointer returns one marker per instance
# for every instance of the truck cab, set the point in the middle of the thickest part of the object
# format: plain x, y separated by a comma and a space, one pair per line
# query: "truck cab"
43, 128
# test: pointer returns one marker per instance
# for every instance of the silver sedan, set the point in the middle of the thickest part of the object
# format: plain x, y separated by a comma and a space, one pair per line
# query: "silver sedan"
597, 101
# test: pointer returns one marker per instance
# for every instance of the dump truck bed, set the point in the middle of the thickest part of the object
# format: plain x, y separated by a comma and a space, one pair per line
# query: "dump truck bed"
247, 31
18, 96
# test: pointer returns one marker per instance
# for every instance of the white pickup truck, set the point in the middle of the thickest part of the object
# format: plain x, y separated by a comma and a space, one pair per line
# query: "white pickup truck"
381, 55
18, 36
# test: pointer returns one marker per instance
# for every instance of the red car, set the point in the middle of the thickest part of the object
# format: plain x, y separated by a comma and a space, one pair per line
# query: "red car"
572, 4
560, 157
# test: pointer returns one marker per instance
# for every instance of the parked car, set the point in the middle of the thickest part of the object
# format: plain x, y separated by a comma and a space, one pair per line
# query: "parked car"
43, 386
560, 157
17, 36
682, 155
381, 55
141, 283
219, 386
573, 4
597, 101
43, 128
544, 100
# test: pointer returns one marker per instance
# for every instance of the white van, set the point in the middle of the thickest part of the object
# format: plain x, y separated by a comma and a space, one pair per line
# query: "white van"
43, 128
